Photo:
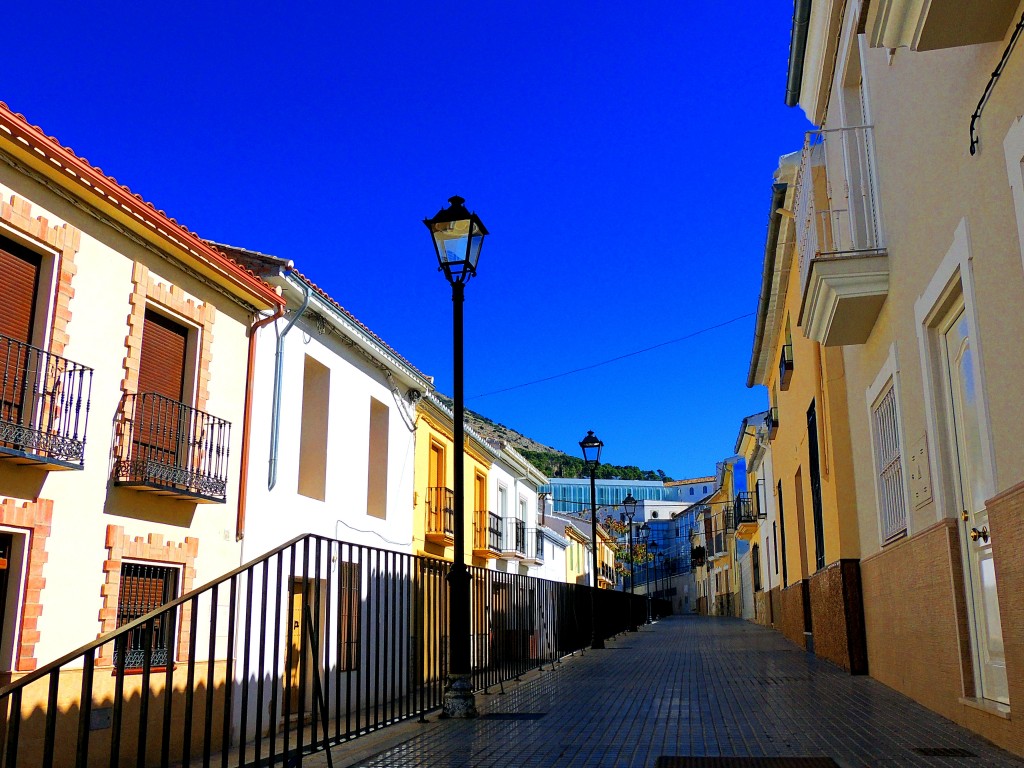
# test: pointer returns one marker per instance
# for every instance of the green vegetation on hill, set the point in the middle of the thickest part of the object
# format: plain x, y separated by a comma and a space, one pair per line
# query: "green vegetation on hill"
563, 465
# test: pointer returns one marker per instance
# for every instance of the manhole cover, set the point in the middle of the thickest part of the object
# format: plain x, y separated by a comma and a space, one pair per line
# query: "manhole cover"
944, 752
513, 715
674, 761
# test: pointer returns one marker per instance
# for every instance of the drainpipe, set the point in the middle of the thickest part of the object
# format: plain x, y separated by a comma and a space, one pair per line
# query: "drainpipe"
275, 414
797, 50
243, 475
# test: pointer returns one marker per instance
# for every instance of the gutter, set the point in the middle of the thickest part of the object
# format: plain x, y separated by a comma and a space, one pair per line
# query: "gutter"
797, 49
768, 271
275, 414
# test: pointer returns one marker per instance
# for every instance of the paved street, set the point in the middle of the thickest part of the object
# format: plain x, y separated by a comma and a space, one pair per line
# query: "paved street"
686, 686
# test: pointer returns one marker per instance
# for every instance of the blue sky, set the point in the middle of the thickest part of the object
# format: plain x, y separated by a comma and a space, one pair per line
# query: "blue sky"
621, 159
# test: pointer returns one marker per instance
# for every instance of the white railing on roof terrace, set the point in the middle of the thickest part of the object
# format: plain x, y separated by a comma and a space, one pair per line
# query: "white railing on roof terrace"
836, 208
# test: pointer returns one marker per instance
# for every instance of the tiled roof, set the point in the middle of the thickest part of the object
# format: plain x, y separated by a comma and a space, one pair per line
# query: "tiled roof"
255, 259
75, 169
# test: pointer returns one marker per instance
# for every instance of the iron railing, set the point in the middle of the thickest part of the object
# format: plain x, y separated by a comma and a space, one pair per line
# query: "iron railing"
513, 540
44, 405
311, 645
441, 512
170, 447
487, 532
748, 508
836, 210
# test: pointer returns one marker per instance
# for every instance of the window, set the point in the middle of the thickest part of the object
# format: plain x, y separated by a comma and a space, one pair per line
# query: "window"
316, 384
888, 466
143, 588
503, 501
705, 490
377, 469
691, 490
348, 620
755, 564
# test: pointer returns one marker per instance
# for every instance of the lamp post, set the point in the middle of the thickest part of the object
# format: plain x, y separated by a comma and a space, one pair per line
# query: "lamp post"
629, 504
653, 549
591, 447
644, 533
458, 236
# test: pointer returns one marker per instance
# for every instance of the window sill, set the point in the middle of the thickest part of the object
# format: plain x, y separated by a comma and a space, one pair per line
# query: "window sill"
138, 671
987, 705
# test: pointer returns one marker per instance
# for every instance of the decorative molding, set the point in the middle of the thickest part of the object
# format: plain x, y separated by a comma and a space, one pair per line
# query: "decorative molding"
154, 549
36, 518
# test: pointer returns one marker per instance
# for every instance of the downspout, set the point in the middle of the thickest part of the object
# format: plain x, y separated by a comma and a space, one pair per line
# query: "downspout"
275, 414
243, 475
797, 49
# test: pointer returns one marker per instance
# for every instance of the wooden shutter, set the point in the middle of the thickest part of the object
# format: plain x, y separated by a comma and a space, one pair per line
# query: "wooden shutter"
162, 368
19, 269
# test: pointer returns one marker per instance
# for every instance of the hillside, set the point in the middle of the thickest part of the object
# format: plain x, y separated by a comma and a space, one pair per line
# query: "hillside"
551, 461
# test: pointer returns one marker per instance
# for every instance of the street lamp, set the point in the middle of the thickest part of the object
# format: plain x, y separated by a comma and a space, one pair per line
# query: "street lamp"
591, 447
458, 236
629, 504
644, 533
653, 549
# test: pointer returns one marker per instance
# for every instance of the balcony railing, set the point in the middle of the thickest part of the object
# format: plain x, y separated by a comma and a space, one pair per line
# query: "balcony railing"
441, 515
837, 212
748, 508
44, 406
771, 422
785, 366
486, 534
172, 449
844, 268
513, 542
533, 546
607, 573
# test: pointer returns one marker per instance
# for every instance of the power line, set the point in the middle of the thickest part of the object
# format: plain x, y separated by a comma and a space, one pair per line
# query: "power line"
614, 359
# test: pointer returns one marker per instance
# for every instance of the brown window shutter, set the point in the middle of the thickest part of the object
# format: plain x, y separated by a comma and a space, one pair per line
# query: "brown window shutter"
19, 279
162, 367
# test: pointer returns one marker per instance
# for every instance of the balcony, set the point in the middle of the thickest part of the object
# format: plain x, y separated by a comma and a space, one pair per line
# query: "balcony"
771, 422
171, 449
513, 542
748, 514
44, 407
844, 263
606, 577
786, 367
486, 534
534, 553
441, 516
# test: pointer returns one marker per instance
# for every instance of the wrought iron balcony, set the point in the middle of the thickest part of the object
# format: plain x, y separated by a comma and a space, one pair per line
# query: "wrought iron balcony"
44, 406
534, 546
172, 449
844, 264
748, 508
771, 422
607, 575
441, 516
785, 367
486, 534
513, 542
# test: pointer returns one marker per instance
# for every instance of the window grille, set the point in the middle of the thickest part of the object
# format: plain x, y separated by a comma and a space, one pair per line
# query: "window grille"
349, 596
144, 588
889, 466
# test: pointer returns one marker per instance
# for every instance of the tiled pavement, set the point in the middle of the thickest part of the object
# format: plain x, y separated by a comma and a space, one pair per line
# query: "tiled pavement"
684, 686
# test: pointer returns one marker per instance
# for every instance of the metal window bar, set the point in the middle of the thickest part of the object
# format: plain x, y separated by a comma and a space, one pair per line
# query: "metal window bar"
513, 541
166, 445
44, 404
891, 497
142, 589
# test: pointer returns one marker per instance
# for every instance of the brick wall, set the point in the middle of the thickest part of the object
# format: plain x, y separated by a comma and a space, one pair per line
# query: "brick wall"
762, 608
836, 612
790, 620
916, 626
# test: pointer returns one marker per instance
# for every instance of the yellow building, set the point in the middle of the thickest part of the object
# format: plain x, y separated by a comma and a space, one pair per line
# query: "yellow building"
911, 206
809, 435
434, 495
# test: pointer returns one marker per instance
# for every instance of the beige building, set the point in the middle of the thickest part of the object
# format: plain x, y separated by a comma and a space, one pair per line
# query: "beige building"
123, 361
908, 215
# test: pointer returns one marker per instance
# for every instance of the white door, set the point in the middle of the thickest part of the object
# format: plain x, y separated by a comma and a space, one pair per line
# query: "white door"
987, 634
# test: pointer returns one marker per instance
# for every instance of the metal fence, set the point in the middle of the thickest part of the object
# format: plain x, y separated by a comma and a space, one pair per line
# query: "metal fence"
313, 644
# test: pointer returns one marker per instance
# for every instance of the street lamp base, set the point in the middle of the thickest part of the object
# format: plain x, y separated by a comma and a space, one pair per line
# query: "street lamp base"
459, 701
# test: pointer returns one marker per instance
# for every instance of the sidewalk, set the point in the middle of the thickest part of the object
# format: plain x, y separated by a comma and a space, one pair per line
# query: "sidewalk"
687, 686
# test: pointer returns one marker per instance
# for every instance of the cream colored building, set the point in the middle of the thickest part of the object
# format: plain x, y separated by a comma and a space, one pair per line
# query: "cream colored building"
124, 354
910, 257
